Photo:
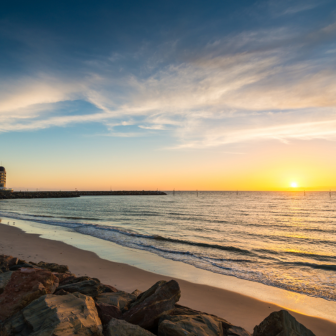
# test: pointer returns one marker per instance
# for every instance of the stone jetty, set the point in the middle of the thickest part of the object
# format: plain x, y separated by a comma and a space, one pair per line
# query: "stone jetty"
64, 194
47, 299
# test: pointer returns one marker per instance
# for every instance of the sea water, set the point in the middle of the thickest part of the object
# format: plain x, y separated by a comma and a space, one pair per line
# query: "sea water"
280, 239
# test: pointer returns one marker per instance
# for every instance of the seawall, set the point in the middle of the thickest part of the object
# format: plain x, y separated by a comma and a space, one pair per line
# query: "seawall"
64, 194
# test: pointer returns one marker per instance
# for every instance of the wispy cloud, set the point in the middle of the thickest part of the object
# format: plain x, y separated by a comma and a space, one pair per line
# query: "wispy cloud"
215, 99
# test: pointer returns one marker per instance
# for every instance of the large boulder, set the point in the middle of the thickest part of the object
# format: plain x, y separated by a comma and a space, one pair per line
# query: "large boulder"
24, 287
120, 299
4, 279
281, 323
123, 328
106, 312
149, 305
88, 287
183, 325
72, 314
53, 267
228, 328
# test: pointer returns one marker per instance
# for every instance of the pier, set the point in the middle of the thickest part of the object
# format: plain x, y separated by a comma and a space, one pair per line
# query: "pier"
65, 194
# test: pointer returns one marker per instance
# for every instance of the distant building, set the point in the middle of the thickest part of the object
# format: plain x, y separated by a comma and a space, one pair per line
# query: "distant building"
2, 178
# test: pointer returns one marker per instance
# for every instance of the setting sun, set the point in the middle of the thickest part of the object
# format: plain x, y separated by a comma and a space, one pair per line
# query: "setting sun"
294, 185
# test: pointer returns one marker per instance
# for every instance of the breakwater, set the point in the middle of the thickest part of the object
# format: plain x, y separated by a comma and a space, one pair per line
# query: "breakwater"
65, 194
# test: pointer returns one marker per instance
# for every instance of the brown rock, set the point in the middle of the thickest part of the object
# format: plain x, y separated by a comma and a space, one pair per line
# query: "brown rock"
63, 276
151, 304
106, 312
281, 323
136, 292
183, 325
72, 314
53, 267
8, 261
123, 328
228, 328
24, 287
120, 299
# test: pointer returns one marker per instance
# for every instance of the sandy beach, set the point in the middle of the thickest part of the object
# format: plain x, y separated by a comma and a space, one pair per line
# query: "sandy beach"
237, 308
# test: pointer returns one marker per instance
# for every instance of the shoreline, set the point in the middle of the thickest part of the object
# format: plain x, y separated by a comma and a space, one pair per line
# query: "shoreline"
237, 308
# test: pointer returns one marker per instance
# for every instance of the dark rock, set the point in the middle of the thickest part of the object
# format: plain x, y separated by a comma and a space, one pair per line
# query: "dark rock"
73, 279
148, 307
120, 299
106, 312
72, 314
123, 328
88, 287
184, 325
24, 287
19, 266
109, 289
53, 267
281, 323
61, 292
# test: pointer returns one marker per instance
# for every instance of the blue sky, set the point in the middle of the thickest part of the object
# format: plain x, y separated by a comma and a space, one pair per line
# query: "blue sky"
165, 79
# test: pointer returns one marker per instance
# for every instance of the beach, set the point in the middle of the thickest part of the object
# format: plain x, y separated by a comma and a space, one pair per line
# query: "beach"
237, 308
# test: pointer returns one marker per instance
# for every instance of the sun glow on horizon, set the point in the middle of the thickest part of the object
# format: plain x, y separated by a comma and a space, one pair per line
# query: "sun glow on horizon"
294, 185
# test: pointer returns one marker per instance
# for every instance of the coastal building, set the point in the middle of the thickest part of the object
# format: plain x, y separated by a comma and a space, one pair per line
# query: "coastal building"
2, 178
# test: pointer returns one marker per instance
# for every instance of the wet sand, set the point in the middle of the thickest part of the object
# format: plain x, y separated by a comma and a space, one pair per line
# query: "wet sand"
238, 309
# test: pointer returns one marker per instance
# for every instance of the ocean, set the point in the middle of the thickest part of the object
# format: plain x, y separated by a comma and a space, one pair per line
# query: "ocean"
281, 239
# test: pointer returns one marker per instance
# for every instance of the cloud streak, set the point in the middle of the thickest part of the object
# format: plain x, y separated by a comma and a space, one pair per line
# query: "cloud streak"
216, 99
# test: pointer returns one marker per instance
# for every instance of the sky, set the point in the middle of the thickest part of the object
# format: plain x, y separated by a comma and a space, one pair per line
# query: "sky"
185, 95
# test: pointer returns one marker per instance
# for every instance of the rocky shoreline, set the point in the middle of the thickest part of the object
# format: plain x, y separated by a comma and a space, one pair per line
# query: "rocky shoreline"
47, 299
65, 194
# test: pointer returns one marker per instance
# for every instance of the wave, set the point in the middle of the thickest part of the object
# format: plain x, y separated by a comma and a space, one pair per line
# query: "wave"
316, 266
78, 225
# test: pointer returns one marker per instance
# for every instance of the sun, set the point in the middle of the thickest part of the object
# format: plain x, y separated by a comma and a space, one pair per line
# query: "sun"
294, 185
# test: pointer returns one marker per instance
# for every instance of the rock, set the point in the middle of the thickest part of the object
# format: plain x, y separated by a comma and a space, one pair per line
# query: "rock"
19, 266
8, 261
24, 287
109, 289
228, 328
4, 279
281, 323
120, 299
123, 328
106, 312
143, 296
53, 267
88, 287
183, 325
148, 307
136, 292
61, 292
56, 315
63, 276
73, 279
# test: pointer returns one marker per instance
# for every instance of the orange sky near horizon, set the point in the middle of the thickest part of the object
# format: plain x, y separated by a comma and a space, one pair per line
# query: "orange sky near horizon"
265, 166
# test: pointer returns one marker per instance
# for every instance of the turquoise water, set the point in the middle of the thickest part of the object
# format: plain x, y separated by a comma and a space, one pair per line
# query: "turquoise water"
281, 239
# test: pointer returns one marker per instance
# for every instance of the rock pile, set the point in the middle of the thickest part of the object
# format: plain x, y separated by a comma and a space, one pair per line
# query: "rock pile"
47, 299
